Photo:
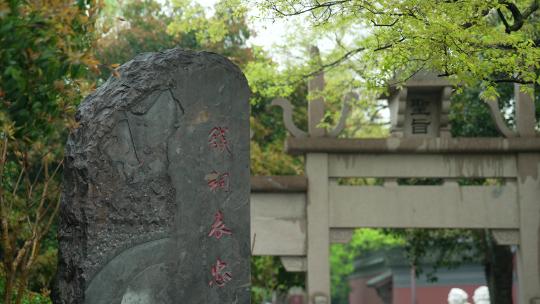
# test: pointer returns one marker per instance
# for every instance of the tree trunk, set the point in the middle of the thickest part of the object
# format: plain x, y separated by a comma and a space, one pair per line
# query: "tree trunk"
21, 290
8, 288
499, 270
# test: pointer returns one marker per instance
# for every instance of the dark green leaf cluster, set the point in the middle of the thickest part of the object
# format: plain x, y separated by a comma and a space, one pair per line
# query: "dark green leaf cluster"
42, 57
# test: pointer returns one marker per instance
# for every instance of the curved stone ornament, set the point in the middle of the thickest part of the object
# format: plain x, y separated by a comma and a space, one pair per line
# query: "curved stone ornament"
288, 109
524, 115
288, 117
155, 207
498, 119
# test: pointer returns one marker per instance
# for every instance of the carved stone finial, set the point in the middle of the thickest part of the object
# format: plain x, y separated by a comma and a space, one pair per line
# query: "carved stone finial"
299, 133
344, 113
316, 104
288, 117
525, 115
315, 107
498, 119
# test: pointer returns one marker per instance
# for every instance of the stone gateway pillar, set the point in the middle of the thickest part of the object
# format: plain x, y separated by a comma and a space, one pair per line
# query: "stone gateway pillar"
155, 208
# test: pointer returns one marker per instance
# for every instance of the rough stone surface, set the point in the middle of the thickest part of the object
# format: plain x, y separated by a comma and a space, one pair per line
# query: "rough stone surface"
159, 152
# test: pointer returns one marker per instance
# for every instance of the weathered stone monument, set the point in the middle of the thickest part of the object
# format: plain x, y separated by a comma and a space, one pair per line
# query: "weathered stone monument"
155, 208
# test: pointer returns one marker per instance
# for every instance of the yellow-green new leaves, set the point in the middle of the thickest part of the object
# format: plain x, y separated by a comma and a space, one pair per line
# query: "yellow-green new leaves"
193, 19
489, 41
209, 29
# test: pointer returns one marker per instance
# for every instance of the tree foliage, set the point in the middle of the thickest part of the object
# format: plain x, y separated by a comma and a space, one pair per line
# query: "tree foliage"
342, 257
45, 59
494, 41
28, 207
138, 26
45, 53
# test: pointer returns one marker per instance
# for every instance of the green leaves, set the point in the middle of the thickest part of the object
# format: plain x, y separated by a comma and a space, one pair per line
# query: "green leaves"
342, 257
466, 40
41, 46
45, 66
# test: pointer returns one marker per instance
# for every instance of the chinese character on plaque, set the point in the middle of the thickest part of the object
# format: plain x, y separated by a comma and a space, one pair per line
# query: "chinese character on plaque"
219, 276
420, 125
217, 181
217, 139
420, 116
419, 107
218, 228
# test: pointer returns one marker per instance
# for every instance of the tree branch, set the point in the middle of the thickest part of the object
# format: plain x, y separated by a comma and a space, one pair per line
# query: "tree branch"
496, 80
535, 5
503, 19
518, 16
387, 25
307, 9
350, 54
510, 80
472, 23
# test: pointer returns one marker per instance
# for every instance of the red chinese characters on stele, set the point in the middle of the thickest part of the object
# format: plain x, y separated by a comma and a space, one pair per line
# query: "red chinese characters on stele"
217, 181
219, 276
218, 228
217, 139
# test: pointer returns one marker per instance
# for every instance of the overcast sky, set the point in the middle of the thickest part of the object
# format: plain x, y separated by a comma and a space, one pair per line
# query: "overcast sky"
268, 31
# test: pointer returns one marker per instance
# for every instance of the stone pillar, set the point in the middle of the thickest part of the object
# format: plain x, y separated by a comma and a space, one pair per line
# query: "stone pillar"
155, 207
316, 104
317, 209
318, 229
528, 255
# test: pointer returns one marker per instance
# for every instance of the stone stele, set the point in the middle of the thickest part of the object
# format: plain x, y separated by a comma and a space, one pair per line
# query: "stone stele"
155, 208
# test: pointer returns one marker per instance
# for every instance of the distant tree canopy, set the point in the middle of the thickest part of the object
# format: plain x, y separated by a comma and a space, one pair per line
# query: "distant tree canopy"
140, 26
470, 41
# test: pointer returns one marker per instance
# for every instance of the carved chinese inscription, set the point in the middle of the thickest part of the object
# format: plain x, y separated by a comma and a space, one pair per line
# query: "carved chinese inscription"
219, 275
422, 113
218, 227
217, 139
421, 117
218, 181
156, 201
